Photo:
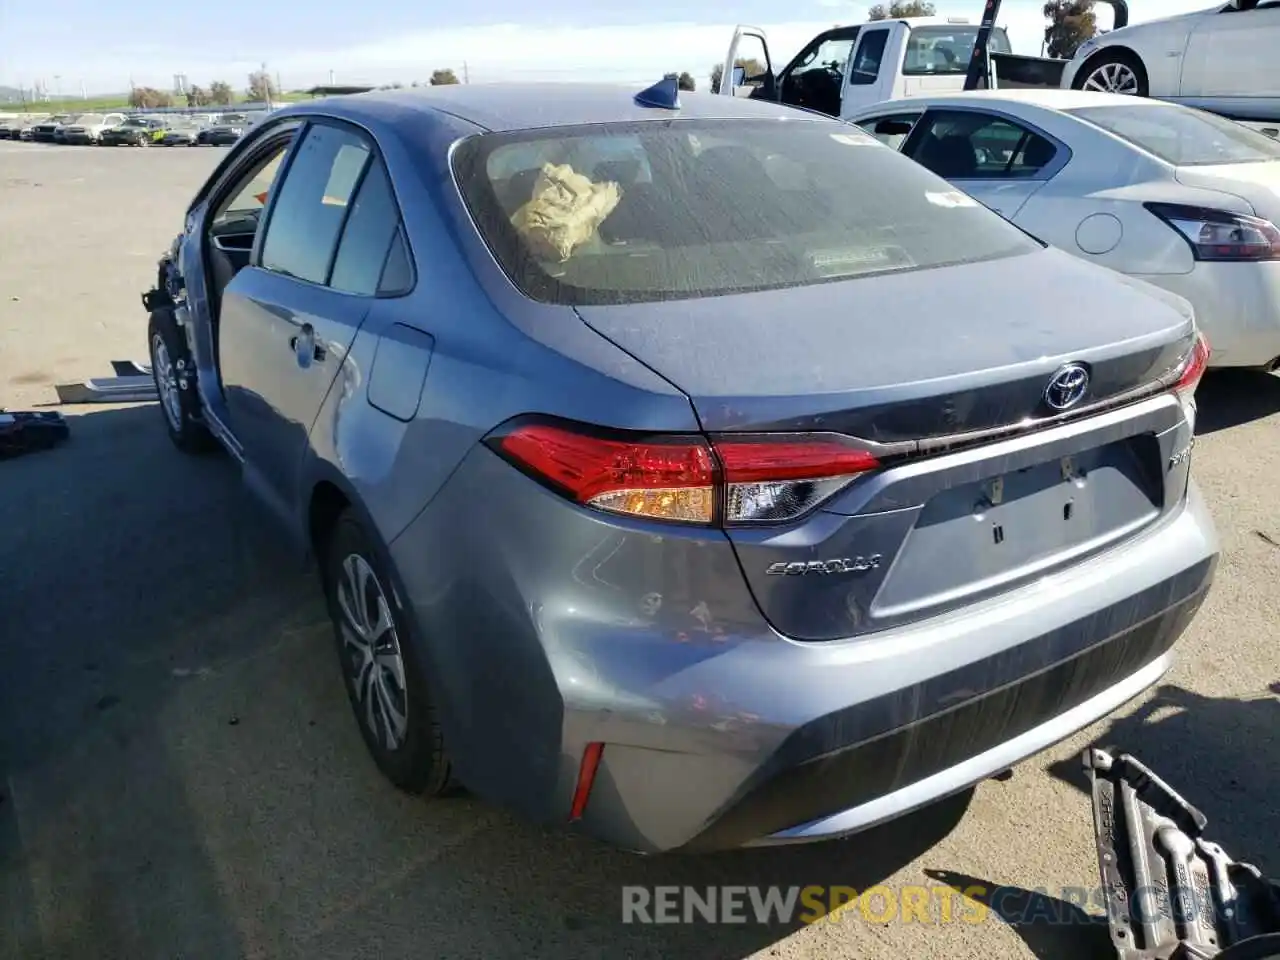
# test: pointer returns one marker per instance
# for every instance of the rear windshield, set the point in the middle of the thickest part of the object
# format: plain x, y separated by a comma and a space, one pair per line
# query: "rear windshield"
627, 213
1182, 136
934, 51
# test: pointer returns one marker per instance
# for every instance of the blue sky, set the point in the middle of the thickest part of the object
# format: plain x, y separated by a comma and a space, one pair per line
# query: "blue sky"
102, 45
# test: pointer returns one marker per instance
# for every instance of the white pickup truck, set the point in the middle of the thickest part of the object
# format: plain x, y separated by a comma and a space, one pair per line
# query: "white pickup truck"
847, 68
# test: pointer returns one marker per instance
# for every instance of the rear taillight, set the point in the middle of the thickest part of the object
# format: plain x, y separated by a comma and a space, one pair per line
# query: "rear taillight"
1218, 235
1192, 368
757, 478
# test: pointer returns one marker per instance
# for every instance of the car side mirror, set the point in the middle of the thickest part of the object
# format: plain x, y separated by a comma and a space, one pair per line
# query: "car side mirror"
739, 76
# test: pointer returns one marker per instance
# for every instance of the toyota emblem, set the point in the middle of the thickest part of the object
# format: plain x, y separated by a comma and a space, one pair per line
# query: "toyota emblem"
1067, 387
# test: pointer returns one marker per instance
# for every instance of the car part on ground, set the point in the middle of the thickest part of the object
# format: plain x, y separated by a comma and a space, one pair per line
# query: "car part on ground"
1170, 892
648, 485
26, 432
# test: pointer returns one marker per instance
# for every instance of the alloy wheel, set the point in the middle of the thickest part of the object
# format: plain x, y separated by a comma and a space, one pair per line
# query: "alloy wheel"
166, 382
372, 661
1113, 78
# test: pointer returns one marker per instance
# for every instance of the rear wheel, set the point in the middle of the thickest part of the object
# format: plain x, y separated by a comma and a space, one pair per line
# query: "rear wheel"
1115, 71
173, 370
384, 683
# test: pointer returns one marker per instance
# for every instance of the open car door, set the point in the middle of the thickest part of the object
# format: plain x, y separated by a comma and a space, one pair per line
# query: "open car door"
731, 77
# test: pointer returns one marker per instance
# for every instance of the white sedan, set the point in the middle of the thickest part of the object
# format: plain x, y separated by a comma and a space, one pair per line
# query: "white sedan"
1225, 58
1177, 197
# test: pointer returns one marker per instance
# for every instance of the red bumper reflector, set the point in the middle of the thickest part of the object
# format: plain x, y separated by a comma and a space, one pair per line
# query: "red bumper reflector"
586, 777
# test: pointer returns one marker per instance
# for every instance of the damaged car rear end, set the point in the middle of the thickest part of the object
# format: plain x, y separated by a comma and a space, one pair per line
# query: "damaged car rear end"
930, 515
727, 478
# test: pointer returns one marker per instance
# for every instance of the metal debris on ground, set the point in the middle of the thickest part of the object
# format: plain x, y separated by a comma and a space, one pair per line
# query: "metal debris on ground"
131, 383
25, 432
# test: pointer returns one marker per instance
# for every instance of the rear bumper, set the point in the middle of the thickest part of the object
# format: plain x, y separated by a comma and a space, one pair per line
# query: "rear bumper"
552, 628
883, 773
1237, 306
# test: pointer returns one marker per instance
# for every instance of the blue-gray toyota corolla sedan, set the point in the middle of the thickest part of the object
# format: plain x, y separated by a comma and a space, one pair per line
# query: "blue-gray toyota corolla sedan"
700, 473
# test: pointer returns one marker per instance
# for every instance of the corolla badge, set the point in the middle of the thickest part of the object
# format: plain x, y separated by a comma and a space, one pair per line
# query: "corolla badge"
842, 565
1067, 387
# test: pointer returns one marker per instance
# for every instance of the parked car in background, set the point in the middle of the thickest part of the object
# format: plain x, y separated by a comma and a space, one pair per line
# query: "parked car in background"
181, 133
1222, 59
12, 129
226, 131
850, 67
1181, 198
740, 501
90, 127
134, 132
46, 130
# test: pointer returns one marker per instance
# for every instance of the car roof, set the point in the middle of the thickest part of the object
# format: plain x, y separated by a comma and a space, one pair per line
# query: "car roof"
1050, 98
515, 106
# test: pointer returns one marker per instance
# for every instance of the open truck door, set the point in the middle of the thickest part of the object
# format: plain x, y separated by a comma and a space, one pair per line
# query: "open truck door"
749, 43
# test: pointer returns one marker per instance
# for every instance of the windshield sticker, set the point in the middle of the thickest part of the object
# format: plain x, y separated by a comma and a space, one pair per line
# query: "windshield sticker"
854, 139
950, 198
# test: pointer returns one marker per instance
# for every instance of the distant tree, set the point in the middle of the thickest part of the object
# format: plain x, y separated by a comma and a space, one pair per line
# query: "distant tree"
220, 93
440, 78
198, 97
1071, 23
686, 82
146, 98
262, 86
901, 8
415, 84
751, 67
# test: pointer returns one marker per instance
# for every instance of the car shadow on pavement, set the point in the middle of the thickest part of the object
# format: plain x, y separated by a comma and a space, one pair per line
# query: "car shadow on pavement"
1222, 754
180, 774
1052, 928
121, 566
1228, 398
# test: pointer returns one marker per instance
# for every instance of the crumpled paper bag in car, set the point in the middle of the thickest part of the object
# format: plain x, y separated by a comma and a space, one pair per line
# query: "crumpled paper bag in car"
565, 211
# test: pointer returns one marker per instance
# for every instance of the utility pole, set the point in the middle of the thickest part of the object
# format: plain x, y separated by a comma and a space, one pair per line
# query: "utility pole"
466, 74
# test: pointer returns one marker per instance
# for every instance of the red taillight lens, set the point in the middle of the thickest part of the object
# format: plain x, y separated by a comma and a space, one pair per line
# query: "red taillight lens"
664, 478
1219, 235
757, 478
1193, 367
770, 478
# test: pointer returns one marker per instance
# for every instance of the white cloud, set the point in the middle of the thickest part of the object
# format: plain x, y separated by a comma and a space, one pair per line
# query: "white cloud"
632, 54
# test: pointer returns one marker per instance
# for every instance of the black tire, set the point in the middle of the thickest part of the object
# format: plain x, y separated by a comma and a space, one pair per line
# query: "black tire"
185, 425
418, 763
1112, 58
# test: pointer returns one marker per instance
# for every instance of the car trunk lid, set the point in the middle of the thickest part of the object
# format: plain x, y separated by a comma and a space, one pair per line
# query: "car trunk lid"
1258, 183
940, 373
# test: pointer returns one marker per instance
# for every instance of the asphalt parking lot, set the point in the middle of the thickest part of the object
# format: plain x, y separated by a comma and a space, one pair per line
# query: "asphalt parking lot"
180, 775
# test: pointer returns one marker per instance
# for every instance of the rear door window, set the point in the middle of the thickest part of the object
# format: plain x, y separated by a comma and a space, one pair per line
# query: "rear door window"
366, 239
866, 62
311, 206
972, 145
